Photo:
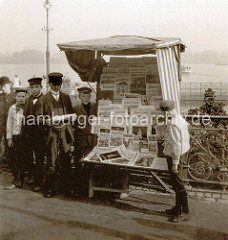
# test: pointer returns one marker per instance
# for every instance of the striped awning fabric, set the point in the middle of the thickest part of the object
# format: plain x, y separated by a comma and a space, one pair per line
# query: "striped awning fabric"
169, 72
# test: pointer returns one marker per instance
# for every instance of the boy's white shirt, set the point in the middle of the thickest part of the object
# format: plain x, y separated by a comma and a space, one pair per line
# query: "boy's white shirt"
14, 121
176, 138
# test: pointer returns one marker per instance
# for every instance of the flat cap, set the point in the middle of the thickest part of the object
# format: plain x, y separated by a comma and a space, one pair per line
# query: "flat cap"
84, 90
4, 80
167, 105
35, 81
21, 90
55, 77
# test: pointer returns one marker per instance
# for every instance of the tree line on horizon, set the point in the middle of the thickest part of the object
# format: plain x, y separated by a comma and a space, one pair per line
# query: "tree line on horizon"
30, 56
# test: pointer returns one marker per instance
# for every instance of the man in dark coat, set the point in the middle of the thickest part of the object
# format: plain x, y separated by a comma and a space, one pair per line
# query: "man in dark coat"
84, 139
57, 137
31, 138
7, 99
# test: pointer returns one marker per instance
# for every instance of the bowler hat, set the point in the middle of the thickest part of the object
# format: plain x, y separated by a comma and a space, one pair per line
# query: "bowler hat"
4, 80
55, 77
167, 105
84, 90
35, 81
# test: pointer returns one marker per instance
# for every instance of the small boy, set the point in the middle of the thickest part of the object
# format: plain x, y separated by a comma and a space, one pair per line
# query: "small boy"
13, 131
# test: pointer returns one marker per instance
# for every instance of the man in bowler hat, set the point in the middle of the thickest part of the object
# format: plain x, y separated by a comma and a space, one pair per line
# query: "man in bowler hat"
175, 146
57, 137
7, 99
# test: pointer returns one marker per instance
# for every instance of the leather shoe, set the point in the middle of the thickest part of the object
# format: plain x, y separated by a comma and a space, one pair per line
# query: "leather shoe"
29, 182
37, 189
48, 194
181, 218
10, 187
172, 211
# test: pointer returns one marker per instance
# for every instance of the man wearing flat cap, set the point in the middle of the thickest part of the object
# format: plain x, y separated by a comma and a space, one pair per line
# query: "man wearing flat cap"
33, 144
176, 146
7, 99
14, 122
84, 139
57, 137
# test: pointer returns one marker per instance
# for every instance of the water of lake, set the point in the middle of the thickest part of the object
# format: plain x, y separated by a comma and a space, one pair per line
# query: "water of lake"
200, 72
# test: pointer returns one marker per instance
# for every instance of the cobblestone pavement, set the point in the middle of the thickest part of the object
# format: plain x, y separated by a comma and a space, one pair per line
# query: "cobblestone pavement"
27, 215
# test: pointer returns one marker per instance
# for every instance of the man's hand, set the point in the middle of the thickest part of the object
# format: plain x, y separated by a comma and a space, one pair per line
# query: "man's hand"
10, 142
175, 168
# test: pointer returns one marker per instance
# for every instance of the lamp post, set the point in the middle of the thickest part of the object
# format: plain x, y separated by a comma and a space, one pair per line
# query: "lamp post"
47, 5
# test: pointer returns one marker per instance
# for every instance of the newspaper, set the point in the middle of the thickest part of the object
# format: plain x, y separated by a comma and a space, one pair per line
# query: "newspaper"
59, 119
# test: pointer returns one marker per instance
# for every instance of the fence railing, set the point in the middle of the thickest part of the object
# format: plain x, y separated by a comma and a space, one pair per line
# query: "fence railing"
207, 160
220, 88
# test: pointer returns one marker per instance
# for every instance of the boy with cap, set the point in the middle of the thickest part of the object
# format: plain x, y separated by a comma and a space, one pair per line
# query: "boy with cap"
14, 122
57, 137
7, 99
175, 146
31, 137
84, 139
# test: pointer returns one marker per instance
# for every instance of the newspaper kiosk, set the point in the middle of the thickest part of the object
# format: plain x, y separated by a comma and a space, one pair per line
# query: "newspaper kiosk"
140, 73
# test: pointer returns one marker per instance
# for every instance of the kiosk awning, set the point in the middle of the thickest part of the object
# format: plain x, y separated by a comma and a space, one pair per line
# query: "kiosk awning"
122, 45
81, 57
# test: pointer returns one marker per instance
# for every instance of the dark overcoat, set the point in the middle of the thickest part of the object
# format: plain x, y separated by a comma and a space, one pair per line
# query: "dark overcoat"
84, 140
45, 109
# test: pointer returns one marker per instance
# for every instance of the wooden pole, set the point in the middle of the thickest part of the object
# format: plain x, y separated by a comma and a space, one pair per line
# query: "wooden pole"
97, 57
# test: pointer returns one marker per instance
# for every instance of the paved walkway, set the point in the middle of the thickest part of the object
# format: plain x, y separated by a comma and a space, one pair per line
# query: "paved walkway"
27, 215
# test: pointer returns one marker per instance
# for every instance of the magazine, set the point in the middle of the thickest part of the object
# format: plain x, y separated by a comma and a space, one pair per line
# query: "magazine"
152, 147
104, 102
103, 137
114, 153
143, 160
122, 86
144, 146
92, 156
116, 136
130, 103
131, 95
128, 141
138, 84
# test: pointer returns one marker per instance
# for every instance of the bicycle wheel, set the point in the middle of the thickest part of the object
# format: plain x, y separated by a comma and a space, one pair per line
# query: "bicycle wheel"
199, 166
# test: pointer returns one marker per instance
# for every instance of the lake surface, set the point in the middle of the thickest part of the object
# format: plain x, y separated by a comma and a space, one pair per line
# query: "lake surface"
27, 71
200, 72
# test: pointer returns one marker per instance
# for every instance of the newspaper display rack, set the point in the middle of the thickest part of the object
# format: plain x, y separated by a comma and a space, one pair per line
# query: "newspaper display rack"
129, 90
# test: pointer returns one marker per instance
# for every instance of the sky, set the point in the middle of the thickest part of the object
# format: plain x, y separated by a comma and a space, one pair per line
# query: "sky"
201, 24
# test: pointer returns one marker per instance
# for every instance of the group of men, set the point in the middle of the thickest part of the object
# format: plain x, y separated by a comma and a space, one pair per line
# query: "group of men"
40, 151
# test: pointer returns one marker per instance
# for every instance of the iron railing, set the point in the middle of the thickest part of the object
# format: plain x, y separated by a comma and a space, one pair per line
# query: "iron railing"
220, 88
207, 160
